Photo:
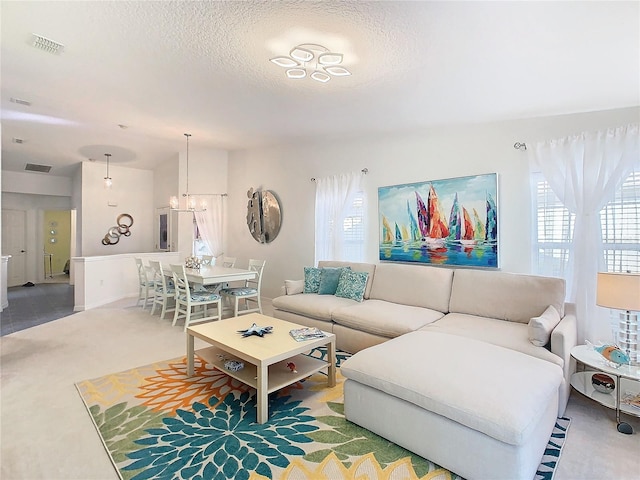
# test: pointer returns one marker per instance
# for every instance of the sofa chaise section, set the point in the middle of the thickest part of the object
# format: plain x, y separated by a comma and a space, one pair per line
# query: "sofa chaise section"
480, 410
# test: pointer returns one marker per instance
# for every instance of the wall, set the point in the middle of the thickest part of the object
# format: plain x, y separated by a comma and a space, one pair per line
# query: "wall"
107, 279
131, 193
393, 159
36, 183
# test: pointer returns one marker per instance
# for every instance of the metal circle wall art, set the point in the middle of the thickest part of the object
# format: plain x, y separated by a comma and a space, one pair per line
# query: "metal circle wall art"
263, 215
124, 223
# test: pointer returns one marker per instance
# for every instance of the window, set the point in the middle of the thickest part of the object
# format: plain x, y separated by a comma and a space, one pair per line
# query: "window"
199, 246
620, 221
353, 227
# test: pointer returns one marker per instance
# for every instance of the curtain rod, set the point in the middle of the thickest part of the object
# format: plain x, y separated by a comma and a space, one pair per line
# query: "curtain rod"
364, 170
201, 194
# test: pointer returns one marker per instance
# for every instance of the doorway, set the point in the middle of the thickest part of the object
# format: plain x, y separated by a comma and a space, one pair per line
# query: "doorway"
14, 236
56, 237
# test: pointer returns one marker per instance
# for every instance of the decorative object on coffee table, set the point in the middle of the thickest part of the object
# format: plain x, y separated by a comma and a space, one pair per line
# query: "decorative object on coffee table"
255, 330
233, 365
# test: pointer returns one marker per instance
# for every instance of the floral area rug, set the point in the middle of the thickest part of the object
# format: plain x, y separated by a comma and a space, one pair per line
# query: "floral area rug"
157, 423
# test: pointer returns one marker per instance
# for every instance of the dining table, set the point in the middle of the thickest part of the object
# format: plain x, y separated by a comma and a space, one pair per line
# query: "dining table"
212, 274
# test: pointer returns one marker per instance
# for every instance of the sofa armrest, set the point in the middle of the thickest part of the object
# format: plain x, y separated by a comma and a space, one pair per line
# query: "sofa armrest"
564, 337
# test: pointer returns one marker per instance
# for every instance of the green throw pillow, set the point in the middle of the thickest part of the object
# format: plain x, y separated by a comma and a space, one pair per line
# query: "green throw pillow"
352, 284
329, 277
311, 279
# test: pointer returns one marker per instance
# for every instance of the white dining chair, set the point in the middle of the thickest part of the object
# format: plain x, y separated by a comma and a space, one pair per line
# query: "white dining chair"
207, 259
145, 285
228, 262
192, 305
249, 293
164, 291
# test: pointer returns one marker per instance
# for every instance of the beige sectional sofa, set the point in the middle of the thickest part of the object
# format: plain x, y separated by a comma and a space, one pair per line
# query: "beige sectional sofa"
454, 352
490, 306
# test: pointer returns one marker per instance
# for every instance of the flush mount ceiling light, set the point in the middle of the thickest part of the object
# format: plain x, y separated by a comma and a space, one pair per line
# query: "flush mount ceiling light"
315, 61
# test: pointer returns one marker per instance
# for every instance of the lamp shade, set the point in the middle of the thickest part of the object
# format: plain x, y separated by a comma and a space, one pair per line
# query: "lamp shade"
619, 290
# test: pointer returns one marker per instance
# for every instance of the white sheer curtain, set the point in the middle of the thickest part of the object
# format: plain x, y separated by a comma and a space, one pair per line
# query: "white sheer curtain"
583, 171
334, 197
211, 224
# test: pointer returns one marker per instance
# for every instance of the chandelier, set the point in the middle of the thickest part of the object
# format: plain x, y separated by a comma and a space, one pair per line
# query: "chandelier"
191, 201
313, 60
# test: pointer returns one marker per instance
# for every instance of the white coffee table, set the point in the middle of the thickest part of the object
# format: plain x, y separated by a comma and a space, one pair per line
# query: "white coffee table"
627, 380
265, 358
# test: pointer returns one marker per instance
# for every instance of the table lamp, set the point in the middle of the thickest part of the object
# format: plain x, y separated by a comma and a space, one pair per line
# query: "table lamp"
621, 291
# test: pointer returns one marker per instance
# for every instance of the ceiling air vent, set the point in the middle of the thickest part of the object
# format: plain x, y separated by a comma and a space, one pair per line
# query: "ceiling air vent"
34, 167
19, 101
47, 44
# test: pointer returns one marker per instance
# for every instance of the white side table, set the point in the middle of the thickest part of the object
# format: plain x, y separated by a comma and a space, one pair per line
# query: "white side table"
627, 380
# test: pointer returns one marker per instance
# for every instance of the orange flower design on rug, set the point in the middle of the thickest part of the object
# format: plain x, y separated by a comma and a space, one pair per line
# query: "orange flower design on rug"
365, 468
171, 389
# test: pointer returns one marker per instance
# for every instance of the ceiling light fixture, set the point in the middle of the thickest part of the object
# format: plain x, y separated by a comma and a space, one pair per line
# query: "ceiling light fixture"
107, 180
191, 203
313, 60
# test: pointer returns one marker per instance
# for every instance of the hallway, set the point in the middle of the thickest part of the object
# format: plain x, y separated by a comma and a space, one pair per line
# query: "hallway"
31, 306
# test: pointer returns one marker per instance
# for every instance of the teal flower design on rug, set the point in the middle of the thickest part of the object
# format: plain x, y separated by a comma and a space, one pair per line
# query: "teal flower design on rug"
225, 443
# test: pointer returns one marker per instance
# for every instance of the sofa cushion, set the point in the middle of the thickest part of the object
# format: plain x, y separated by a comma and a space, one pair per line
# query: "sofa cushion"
417, 285
369, 268
352, 285
384, 318
293, 287
505, 296
511, 335
329, 278
311, 304
540, 328
311, 279
493, 390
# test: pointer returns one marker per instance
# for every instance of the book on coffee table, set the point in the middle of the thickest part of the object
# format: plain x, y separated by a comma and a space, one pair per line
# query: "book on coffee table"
306, 333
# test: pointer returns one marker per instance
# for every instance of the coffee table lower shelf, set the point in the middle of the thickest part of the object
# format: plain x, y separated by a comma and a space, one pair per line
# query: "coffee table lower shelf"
279, 375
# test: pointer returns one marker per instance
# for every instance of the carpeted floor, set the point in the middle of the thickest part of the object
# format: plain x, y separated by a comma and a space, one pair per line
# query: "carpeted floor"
156, 422
46, 432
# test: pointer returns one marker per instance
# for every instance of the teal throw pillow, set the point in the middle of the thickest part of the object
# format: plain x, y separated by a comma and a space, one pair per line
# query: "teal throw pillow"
352, 284
329, 277
311, 279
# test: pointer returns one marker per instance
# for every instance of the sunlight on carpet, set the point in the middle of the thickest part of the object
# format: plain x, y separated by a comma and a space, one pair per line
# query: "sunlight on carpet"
155, 422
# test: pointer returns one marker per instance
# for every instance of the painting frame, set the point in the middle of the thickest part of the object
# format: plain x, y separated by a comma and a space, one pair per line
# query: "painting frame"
449, 222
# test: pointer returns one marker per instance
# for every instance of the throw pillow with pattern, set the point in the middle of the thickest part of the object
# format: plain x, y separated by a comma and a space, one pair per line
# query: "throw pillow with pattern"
352, 285
311, 279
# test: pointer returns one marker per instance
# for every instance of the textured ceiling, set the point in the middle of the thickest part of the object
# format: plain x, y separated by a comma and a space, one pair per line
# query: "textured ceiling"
165, 68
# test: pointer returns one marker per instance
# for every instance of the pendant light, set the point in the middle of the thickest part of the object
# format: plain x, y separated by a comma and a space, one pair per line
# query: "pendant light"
191, 203
107, 180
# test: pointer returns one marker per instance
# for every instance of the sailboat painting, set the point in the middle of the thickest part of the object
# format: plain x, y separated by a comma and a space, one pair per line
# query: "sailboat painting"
450, 222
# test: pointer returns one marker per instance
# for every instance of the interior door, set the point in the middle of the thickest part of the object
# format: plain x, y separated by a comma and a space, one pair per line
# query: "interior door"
163, 230
14, 233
